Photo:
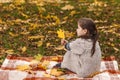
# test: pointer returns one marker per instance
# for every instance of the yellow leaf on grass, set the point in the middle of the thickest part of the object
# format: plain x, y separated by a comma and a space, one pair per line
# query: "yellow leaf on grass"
116, 49
1, 21
24, 14
10, 51
39, 43
72, 13
33, 26
60, 47
47, 44
19, 1
35, 37
25, 33
61, 34
13, 34
68, 7
23, 49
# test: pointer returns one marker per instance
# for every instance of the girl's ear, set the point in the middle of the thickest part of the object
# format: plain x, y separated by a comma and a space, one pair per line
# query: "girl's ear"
85, 31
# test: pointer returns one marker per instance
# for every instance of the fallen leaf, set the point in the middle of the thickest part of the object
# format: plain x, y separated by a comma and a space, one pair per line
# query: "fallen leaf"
55, 58
60, 47
34, 62
1, 21
67, 7
38, 57
23, 67
44, 65
47, 75
56, 72
13, 34
39, 43
23, 49
19, 1
10, 51
47, 44
72, 13
24, 33
116, 49
35, 37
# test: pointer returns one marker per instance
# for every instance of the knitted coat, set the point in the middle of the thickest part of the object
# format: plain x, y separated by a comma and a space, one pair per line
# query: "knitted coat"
78, 59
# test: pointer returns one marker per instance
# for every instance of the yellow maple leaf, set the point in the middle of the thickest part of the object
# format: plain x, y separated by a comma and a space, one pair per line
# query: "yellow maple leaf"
61, 34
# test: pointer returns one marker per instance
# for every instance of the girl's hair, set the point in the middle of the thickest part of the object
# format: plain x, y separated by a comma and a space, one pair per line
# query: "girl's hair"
87, 23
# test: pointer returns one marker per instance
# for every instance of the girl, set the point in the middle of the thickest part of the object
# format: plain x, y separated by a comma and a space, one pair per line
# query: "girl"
83, 55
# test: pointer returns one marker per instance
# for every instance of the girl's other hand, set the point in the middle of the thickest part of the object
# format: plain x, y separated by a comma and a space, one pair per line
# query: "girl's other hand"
63, 41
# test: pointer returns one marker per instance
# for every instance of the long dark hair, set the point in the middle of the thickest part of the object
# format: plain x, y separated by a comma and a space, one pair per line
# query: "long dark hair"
87, 23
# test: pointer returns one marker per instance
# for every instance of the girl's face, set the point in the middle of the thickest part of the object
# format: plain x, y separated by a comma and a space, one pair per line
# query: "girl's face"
80, 31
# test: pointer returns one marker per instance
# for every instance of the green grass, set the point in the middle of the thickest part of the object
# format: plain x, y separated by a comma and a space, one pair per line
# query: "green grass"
33, 20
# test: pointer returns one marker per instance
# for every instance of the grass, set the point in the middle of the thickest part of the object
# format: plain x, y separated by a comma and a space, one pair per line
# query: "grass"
19, 22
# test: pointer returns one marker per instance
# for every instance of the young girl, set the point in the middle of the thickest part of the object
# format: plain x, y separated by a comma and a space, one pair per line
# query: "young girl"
83, 55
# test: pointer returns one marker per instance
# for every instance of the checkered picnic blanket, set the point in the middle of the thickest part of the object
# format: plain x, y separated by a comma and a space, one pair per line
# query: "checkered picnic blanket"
109, 71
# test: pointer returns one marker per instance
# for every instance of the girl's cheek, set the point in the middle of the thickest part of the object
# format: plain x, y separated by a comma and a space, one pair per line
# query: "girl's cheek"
78, 32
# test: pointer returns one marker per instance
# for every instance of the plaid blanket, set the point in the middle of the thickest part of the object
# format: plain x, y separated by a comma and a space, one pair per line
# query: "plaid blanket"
109, 71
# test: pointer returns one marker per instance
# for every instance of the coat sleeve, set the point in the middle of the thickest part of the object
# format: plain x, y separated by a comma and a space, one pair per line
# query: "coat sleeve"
77, 46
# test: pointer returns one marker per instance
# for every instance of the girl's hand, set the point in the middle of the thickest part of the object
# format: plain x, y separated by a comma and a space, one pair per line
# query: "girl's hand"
63, 41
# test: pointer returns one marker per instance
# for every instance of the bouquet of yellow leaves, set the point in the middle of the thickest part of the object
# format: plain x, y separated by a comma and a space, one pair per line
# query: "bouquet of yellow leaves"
61, 34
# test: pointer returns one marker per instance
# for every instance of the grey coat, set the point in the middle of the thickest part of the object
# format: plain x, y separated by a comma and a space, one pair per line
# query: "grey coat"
78, 59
